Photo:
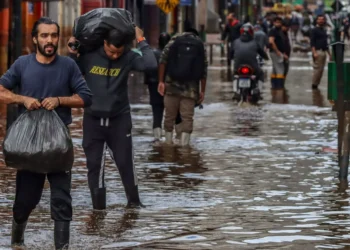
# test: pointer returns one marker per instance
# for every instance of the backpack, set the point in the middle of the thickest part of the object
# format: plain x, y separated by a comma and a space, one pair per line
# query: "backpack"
186, 59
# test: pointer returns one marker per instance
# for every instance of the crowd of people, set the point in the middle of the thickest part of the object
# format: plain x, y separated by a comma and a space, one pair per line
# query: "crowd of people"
279, 36
175, 73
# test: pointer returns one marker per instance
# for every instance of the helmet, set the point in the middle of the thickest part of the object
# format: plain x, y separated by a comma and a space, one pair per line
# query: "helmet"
247, 30
257, 27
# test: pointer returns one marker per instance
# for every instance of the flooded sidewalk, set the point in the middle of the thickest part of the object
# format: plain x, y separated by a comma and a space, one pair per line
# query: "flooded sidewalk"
254, 178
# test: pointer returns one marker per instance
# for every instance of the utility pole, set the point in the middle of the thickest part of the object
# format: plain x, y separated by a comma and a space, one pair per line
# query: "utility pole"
194, 14
343, 111
16, 51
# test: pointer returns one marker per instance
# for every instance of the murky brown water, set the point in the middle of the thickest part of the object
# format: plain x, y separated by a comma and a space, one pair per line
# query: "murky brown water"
255, 178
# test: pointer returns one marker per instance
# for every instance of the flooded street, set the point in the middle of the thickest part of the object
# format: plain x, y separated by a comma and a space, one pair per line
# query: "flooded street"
254, 178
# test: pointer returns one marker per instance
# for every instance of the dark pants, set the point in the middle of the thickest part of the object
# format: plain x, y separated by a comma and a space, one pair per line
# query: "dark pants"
114, 135
230, 52
29, 187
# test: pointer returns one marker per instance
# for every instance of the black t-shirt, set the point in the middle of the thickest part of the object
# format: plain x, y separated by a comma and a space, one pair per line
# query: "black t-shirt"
279, 39
319, 38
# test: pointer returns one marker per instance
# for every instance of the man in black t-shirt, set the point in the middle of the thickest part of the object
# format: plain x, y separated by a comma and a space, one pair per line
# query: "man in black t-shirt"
278, 54
319, 46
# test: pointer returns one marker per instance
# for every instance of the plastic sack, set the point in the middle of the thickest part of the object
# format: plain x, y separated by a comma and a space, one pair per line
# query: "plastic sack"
38, 141
92, 28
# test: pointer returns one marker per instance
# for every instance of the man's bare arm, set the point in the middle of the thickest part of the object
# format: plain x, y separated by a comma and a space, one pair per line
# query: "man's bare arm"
8, 97
74, 101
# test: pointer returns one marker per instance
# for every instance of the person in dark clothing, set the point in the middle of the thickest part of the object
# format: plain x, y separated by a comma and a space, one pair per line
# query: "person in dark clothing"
246, 50
231, 32
346, 26
263, 24
278, 54
288, 48
107, 123
58, 81
156, 100
261, 37
319, 46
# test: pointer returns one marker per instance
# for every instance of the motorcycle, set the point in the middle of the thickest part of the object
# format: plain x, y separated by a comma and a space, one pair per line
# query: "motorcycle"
246, 86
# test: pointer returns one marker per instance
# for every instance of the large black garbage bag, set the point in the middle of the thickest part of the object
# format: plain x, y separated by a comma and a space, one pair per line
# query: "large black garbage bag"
39, 141
92, 28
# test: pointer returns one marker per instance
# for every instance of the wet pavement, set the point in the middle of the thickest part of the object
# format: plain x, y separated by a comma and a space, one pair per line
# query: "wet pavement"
254, 178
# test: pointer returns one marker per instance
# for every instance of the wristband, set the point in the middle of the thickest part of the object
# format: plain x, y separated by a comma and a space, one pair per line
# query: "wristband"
141, 39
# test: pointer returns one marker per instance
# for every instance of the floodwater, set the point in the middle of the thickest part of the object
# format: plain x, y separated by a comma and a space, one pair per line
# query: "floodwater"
254, 178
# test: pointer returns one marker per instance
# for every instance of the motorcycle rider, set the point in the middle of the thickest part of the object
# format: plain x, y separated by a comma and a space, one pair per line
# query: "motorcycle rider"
246, 49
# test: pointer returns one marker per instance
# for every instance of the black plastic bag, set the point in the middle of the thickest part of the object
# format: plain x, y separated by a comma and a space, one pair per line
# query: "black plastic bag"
92, 28
38, 141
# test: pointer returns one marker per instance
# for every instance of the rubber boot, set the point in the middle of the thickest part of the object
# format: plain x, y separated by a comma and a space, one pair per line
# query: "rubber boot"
17, 234
98, 196
178, 131
61, 235
185, 139
157, 132
169, 137
132, 194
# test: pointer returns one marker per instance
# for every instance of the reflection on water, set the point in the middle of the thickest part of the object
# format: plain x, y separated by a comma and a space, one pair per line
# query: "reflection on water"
317, 98
279, 96
252, 179
175, 166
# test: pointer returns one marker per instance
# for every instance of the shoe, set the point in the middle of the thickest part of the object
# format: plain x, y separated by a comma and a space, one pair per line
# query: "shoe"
98, 196
17, 234
169, 137
61, 235
157, 132
185, 139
